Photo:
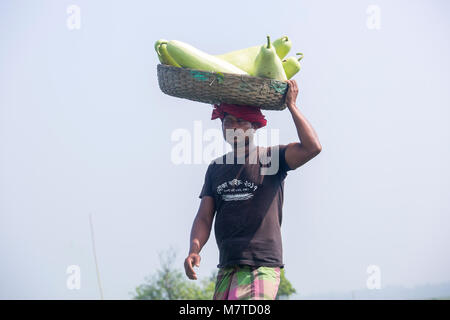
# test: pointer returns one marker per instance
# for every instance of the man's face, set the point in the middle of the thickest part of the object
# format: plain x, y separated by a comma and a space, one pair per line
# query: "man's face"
232, 123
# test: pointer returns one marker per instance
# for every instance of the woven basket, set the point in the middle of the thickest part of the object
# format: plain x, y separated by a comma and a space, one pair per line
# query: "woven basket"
217, 87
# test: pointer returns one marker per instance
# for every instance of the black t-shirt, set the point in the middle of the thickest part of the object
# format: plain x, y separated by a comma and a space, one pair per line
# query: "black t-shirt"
248, 203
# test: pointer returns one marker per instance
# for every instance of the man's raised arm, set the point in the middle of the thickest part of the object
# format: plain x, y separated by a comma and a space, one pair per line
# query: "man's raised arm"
298, 153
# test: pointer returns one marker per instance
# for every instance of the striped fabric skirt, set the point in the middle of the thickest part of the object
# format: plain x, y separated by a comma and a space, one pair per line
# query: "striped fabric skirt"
247, 283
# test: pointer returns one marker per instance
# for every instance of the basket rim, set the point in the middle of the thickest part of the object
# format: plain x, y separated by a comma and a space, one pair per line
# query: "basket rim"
249, 77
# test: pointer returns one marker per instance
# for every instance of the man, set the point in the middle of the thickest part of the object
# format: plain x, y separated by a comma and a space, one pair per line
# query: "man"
248, 203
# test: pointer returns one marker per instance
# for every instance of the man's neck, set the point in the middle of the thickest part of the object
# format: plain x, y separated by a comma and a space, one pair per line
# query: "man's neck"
244, 150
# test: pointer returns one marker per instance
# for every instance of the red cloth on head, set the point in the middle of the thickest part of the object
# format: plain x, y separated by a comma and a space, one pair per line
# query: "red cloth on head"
246, 112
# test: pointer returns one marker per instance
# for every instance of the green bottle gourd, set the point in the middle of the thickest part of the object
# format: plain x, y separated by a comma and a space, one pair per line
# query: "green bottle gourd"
282, 46
163, 55
188, 56
268, 64
245, 58
291, 65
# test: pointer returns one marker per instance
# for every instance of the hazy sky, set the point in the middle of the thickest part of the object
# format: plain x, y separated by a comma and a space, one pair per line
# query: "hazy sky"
85, 129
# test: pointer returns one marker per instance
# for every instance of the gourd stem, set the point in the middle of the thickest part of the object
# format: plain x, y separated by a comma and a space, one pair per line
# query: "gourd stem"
157, 49
159, 45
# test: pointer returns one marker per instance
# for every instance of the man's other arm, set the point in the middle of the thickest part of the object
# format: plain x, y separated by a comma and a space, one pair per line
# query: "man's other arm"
201, 229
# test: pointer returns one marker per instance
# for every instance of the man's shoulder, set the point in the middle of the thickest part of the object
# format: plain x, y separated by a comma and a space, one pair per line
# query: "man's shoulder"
221, 159
277, 147
262, 151
274, 150
217, 160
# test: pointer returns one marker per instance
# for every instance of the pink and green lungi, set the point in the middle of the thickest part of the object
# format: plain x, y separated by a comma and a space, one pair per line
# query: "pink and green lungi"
247, 283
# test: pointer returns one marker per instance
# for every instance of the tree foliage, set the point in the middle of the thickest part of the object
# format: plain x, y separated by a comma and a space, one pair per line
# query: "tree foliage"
170, 283
285, 289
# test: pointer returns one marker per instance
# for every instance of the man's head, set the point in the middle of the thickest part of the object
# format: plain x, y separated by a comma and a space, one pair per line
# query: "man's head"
235, 124
238, 119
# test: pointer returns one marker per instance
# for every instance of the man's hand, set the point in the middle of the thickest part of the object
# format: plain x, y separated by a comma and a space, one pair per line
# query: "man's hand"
291, 95
189, 262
